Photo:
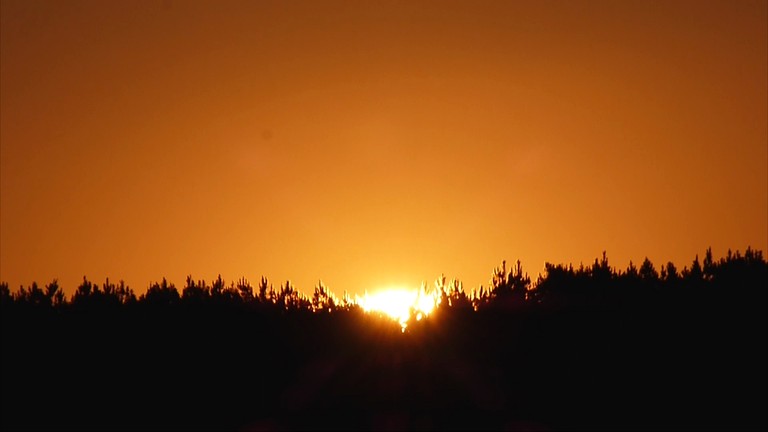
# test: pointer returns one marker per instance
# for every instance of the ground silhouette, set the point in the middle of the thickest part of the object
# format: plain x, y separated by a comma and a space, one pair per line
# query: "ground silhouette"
591, 347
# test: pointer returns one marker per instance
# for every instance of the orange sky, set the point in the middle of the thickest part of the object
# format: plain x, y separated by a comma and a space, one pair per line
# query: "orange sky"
372, 143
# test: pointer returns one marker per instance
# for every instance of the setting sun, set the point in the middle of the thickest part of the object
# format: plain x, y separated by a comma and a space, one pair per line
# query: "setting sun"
400, 303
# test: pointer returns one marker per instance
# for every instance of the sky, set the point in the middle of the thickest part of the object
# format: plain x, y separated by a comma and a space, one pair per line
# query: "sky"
373, 144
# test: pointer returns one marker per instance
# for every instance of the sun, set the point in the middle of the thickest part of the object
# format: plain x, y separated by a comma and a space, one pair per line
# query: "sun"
399, 304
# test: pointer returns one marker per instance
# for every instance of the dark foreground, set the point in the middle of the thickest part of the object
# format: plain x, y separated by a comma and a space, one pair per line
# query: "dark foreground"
702, 369
585, 349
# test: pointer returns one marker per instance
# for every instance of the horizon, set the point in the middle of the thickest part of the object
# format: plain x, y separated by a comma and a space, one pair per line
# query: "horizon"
591, 348
425, 286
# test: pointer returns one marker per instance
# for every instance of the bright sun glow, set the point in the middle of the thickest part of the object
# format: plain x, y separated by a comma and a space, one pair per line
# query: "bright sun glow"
399, 304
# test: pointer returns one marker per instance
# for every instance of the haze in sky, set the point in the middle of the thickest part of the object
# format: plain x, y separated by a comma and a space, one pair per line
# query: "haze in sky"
376, 143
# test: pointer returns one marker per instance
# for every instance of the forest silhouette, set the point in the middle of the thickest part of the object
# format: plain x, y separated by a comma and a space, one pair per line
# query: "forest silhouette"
587, 347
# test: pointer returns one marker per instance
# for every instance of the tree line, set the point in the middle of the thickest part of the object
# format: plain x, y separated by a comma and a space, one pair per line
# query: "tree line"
591, 347
599, 285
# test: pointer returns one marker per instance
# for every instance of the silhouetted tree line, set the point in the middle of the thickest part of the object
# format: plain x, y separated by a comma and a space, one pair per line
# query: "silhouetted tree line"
597, 286
586, 347
194, 294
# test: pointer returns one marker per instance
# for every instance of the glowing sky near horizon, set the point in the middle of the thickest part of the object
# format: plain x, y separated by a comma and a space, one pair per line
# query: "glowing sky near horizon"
376, 143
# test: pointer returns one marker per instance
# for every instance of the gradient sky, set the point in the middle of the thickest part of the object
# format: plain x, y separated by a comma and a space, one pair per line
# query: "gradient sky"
376, 143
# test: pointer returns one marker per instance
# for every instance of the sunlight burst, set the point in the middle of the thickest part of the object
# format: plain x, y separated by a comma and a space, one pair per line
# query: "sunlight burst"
400, 304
